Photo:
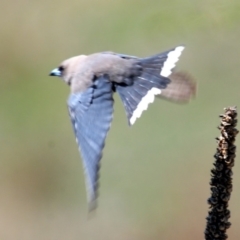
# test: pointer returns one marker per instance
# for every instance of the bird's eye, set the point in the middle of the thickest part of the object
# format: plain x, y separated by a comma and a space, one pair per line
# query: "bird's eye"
61, 68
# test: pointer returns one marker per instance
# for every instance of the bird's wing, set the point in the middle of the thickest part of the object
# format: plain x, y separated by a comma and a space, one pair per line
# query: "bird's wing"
91, 115
152, 80
120, 55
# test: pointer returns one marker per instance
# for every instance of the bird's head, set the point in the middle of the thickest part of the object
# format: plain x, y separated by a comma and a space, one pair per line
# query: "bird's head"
68, 68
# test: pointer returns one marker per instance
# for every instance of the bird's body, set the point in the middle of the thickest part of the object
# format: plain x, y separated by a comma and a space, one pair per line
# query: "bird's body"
82, 68
94, 78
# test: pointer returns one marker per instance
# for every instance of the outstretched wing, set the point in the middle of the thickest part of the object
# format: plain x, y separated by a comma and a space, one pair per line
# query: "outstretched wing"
153, 78
91, 115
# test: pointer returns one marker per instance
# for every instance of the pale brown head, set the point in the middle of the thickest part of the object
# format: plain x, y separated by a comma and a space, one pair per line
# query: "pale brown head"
68, 68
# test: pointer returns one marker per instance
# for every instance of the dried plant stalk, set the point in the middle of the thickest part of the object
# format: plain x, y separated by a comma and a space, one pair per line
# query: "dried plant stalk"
221, 181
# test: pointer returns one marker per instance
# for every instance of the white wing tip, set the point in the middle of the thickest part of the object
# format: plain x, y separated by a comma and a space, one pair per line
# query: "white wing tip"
143, 104
180, 48
172, 58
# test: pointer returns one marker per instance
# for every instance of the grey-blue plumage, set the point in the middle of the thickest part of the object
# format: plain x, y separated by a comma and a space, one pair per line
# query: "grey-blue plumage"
94, 78
91, 115
132, 94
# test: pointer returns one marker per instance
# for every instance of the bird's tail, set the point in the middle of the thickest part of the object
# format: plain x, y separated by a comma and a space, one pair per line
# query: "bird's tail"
181, 89
153, 80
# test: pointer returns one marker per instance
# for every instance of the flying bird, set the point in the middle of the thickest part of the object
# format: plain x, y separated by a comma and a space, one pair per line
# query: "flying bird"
94, 78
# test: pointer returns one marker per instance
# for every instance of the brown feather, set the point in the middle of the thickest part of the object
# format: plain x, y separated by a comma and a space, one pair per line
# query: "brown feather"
181, 89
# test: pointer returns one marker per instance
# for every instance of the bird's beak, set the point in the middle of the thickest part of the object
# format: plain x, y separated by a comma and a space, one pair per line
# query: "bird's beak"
55, 72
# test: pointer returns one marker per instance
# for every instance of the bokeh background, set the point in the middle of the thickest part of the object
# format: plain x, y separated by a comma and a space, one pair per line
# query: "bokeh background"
154, 175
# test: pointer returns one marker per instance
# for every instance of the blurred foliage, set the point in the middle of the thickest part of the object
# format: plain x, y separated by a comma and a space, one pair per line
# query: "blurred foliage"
154, 176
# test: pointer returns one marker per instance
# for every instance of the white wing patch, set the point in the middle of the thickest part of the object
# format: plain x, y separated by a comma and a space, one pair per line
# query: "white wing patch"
143, 104
169, 64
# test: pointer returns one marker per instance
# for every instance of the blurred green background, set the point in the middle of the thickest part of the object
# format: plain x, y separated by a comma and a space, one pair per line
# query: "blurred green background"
154, 175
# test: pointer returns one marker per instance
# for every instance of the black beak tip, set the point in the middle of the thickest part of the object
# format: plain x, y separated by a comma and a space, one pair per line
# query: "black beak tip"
51, 74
